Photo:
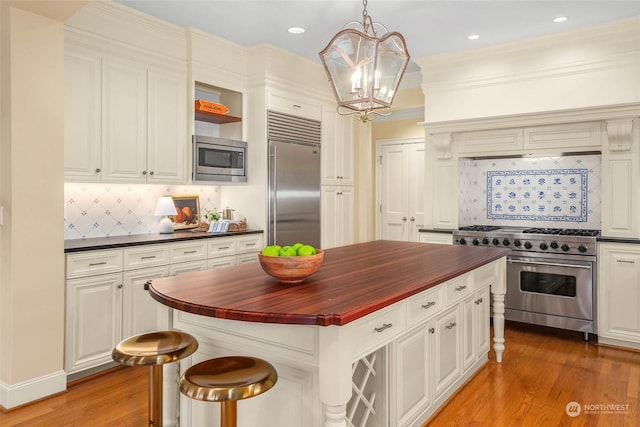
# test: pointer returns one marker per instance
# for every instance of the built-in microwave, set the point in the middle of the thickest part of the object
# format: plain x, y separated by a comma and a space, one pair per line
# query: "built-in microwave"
219, 159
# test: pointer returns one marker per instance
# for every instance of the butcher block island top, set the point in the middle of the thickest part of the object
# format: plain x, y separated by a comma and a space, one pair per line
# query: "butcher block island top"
353, 281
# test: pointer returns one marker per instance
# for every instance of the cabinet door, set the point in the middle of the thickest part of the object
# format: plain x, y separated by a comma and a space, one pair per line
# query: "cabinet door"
446, 343
416, 189
337, 148
468, 336
139, 310
290, 103
619, 292
82, 116
337, 216
394, 192
94, 320
482, 308
437, 238
124, 118
166, 127
412, 375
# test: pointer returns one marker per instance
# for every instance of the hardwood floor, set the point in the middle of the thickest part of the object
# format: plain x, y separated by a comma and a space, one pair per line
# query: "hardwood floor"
543, 370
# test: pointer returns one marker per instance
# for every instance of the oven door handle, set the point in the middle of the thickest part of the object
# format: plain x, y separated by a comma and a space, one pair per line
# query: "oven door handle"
553, 264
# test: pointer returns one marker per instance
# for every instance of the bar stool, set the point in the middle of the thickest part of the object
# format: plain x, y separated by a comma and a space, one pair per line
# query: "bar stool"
155, 349
227, 380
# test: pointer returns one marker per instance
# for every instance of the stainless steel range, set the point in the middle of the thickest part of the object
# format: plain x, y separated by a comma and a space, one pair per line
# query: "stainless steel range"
551, 273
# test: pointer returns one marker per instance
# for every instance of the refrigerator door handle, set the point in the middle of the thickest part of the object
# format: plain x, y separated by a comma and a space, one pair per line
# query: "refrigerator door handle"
272, 197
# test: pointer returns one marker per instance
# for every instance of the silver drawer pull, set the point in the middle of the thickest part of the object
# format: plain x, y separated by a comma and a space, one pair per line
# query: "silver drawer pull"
223, 247
250, 244
148, 257
93, 264
451, 325
626, 261
189, 252
383, 327
429, 304
461, 288
479, 301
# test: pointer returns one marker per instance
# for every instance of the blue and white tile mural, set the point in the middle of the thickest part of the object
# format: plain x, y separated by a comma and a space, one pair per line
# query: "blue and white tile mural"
559, 192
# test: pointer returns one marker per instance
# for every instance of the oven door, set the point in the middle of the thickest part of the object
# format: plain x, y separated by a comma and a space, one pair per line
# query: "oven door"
551, 287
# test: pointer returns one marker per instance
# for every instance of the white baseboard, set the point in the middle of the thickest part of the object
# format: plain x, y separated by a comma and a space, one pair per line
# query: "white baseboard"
12, 395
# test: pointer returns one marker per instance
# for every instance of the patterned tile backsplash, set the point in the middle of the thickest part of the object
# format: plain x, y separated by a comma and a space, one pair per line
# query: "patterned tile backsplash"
557, 192
101, 210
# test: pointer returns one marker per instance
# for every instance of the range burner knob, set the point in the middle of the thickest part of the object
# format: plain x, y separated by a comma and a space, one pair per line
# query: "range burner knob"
506, 242
544, 246
496, 241
582, 248
485, 240
554, 245
476, 242
462, 241
565, 247
527, 245
517, 243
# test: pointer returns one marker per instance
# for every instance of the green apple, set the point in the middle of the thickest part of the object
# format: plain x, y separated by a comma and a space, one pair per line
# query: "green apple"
273, 250
306, 250
297, 246
287, 251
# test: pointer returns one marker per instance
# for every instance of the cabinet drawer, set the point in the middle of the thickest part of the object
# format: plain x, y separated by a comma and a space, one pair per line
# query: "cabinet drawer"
221, 247
188, 251
146, 256
458, 288
424, 305
377, 329
247, 258
219, 262
249, 243
92, 263
289, 104
187, 267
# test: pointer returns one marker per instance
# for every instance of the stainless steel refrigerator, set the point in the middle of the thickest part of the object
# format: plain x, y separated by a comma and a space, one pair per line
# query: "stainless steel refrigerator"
294, 180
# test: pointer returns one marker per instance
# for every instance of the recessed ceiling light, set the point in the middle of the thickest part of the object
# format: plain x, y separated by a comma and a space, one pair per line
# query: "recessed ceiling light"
560, 19
473, 37
296, 30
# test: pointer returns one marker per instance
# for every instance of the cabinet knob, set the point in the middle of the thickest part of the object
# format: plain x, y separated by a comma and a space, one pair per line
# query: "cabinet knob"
144, 172
404, 218
451, 325
151, 173
97, 170
432, 330
412, 219
119, 286
479, 301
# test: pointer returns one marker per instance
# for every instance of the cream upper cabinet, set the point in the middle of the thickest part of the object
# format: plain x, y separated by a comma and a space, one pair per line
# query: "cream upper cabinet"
619, 294
166, 127
297, 105
124, 110
489, 141
581, 136
337, 148
82, 118
125, 121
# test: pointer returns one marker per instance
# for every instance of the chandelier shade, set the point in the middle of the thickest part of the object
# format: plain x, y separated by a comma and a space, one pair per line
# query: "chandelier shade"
364, 70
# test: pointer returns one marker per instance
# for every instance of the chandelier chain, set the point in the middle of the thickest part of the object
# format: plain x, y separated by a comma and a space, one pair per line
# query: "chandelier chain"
364, 10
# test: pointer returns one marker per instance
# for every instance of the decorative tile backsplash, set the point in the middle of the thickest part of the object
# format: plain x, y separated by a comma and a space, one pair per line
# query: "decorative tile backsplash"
101, 210
559, 192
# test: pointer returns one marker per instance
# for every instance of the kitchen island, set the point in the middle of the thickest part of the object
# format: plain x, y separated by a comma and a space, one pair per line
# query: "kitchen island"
384, 331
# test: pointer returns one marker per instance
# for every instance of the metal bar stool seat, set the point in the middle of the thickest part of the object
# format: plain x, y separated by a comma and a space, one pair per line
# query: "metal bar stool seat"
155, 349
227, 380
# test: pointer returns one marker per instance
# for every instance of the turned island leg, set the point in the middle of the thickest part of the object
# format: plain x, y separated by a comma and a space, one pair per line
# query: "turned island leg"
336, 350
498, 290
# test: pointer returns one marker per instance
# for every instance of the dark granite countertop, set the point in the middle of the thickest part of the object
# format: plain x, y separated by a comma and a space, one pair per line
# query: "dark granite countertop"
94, 243
435, 230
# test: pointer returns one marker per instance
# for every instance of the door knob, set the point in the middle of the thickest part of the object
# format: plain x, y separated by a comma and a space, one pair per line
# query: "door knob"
412, 219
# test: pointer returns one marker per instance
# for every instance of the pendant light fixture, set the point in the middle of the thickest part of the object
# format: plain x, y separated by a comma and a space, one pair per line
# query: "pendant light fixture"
365, 70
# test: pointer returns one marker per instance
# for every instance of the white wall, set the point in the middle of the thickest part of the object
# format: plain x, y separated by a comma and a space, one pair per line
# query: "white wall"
31, 186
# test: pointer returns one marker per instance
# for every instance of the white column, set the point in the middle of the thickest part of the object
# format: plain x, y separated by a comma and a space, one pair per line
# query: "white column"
336, 350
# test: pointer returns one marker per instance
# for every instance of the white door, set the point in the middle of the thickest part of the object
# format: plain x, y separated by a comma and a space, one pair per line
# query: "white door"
401, 189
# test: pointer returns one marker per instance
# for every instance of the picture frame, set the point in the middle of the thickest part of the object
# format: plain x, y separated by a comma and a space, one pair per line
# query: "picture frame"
188, 215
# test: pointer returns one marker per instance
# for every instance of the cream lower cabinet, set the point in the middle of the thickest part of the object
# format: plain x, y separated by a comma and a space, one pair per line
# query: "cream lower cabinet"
619, 294
434, 237
448, 344
106, 296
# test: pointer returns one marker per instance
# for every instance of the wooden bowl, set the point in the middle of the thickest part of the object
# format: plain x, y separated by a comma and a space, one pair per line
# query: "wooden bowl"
291, 269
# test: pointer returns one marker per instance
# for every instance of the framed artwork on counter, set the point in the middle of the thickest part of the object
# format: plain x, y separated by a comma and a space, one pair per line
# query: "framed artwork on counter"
187, 211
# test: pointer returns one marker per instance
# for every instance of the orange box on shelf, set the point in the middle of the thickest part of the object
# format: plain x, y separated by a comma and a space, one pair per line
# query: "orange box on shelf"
211, 107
